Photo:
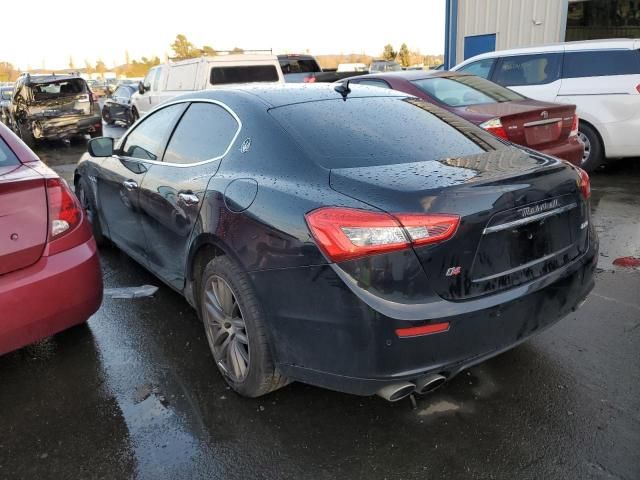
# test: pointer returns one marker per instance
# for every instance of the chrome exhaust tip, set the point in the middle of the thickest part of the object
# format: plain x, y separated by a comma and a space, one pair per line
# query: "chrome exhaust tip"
429, 383
396, 391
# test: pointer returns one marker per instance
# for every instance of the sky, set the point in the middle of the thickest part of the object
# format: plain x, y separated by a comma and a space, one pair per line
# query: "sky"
105, 30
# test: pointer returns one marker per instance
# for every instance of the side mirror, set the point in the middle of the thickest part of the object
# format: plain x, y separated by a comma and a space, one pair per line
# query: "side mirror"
101, 147
143, 87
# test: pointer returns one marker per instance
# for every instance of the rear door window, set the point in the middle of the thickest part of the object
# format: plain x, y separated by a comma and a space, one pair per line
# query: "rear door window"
205, 132
601, 63
373, 131
528, 69
7, 157
148, 139
243, 74
481, 68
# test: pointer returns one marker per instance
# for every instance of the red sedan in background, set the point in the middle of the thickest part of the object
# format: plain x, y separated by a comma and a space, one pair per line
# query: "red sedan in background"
50, 276
550, 128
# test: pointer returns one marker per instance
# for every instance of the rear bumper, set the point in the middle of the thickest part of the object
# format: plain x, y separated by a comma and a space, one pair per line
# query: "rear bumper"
571, 151
325, 334
61, 127
55, 293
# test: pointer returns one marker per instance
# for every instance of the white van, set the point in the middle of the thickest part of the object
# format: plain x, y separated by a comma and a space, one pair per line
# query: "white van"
601, 77
169, 80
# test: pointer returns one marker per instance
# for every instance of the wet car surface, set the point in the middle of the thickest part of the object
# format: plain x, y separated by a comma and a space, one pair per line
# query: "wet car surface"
135, 394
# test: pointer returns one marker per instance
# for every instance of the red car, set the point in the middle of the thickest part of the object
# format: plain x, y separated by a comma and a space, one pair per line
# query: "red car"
50, 276
550, 128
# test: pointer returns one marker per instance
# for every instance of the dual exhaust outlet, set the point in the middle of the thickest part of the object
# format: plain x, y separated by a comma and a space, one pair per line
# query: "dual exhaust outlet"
400, 390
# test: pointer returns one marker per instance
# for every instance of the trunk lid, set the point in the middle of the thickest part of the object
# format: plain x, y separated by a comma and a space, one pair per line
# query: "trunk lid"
522, 215
530, 122
23, 217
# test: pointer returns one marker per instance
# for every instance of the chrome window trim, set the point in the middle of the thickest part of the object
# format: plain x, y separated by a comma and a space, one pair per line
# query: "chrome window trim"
177, 102
531, 219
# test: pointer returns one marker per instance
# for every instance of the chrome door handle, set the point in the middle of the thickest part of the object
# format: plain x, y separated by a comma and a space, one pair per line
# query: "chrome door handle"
130, 185
188, 198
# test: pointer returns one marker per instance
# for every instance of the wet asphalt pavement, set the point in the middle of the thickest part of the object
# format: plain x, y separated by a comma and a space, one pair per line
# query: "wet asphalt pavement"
135, 392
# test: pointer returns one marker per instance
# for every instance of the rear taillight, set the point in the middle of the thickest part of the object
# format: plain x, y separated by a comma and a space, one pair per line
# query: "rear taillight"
345, 233
495, 127
64, 210
638, 88
310, 79
574, 126
584, 183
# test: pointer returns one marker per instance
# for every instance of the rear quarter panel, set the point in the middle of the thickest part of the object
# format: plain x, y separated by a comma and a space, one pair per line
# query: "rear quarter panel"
612, 105
265, 228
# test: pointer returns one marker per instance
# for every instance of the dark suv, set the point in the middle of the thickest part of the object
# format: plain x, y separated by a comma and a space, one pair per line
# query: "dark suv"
54, 107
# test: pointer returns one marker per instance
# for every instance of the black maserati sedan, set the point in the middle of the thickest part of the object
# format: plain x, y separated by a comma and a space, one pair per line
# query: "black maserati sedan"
353, 238
117, 108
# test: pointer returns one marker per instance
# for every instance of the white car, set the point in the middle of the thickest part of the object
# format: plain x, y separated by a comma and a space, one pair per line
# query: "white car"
169, 80
601, 77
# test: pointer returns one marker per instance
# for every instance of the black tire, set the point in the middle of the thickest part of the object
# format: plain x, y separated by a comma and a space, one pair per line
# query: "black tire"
87, 203
130, 118
27, 136
261, 375
106, 116
593, 149
134, 115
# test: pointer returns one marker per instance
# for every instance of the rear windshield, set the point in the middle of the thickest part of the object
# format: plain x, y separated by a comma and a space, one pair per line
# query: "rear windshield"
372, 131
243, 74
7, 157
296, 65
58, 89
463, 91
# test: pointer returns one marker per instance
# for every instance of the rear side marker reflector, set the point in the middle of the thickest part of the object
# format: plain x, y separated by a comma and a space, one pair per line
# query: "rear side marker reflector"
347, 233
422, 330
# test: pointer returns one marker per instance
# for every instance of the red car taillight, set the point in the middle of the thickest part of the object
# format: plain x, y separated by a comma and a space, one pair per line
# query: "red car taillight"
494, 126
64, 210
309, 79
346, 233
584, 183
574, 126
638, 88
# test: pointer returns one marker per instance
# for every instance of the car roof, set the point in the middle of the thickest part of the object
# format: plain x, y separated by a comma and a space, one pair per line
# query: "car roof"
51, 78
303, 56
273, 96
604, 44
412, 74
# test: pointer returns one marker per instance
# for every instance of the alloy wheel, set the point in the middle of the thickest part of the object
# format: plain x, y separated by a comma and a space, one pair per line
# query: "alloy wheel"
226, 329
587, 147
